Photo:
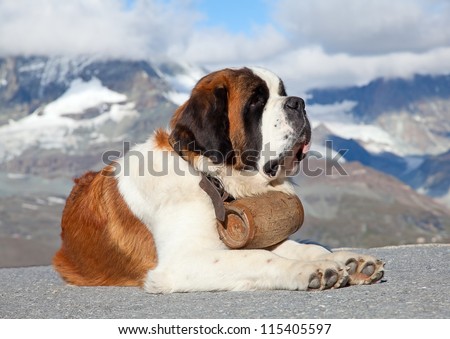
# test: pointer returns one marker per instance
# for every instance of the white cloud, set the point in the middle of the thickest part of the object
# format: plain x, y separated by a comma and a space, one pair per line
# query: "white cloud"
366, 27
149, 28
320, 42
216, 46
306, 68
105, 27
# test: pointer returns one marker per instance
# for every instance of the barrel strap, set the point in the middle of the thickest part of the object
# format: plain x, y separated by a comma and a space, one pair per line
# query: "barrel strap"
214, 188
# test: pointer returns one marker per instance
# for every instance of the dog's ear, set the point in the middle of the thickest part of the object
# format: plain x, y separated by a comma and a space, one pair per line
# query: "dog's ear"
201, 126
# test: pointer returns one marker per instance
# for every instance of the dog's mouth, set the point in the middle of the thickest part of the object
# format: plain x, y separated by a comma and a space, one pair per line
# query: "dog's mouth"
288, 160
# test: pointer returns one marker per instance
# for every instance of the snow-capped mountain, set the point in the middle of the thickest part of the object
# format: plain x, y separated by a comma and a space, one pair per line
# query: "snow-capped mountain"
407, 117
397, 126
84, 106
74, 108
59, 115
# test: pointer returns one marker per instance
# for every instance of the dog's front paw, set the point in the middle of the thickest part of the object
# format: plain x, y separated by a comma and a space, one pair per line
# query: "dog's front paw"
362, 269
323, 274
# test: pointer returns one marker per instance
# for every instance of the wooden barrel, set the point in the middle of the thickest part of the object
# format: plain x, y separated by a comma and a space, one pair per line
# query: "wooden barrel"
261, 221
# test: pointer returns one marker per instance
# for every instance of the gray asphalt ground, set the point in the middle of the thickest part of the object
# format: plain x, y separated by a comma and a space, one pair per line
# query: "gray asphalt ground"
416, 285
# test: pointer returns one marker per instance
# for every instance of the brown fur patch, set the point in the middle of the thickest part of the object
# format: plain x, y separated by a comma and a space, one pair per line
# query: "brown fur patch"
103, 243
162, 140
240, 85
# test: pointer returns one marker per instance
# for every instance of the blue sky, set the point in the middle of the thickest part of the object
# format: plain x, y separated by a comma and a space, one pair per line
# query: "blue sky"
236, 16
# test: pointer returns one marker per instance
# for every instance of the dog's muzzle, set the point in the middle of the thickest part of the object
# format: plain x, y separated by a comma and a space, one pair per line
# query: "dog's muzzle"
300, 138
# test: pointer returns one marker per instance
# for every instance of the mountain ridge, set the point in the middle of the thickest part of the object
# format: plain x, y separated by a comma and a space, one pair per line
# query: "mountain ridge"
381, 95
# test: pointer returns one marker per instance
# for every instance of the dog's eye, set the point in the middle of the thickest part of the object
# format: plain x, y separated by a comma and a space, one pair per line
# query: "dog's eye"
257, 101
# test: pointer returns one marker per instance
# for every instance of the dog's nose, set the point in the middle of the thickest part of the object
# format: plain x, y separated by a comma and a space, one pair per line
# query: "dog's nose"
294, 103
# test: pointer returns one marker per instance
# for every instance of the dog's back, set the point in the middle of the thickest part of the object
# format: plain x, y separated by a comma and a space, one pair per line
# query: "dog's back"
102, 246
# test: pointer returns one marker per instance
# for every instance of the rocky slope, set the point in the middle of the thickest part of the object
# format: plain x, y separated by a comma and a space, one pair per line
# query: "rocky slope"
365, 207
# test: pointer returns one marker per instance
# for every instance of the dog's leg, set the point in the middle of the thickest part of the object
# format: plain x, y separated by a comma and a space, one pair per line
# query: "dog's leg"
294, 250
363, 269
243, 270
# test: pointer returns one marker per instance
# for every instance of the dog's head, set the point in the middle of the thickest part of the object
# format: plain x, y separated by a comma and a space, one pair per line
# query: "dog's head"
243, 118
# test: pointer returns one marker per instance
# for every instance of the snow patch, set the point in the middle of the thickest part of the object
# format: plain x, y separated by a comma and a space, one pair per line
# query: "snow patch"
56, 201
16, 176
337, 118
413, 163
182, 83
30, 207
50, 128
337, 112
32, 67
81, 96
119, 112
376, 139
178, 98
61, 68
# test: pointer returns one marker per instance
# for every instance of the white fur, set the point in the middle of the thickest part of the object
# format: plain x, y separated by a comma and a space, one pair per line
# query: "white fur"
191, 257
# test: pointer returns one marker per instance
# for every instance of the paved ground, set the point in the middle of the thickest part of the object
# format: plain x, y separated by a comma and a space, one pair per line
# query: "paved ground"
417, 285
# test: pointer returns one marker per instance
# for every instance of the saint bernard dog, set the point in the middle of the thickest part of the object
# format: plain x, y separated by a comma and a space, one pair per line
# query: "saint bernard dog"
145, 221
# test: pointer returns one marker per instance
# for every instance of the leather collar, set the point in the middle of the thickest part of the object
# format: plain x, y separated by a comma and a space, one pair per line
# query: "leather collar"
214, 188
